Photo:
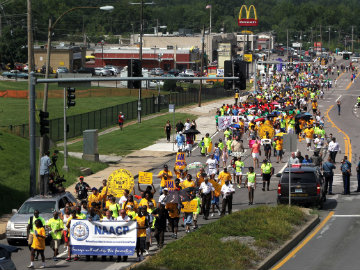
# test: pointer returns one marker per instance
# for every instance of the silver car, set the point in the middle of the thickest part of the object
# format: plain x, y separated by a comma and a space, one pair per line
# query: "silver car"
113, 70
17, 225
102, 71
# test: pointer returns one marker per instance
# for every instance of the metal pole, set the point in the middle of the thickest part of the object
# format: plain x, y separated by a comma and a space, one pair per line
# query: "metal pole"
352, 38
210, 21
289, 182
65, 167
140, 56
255, 76
32, 125
202, 62
174, 128
287, 44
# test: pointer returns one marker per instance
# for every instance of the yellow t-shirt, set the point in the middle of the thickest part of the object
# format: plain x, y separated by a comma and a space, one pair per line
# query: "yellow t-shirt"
95, 198
39, 242
127, 209
279, 145
173, 210
309, 133
146, 202
186, 184
141, 223
162, 183
224, 176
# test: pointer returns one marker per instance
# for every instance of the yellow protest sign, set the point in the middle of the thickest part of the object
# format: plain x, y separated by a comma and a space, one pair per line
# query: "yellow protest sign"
190, 207
266, 128
180, 163
170, 184
248, 58
118, 181
145, 178
216, 185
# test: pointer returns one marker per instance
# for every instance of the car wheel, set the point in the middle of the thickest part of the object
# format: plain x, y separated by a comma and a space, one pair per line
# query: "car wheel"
101, 74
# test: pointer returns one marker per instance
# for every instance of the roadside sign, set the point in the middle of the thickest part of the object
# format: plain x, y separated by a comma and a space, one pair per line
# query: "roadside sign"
290, 142
145, 178
74, 84
248, 58
171, 107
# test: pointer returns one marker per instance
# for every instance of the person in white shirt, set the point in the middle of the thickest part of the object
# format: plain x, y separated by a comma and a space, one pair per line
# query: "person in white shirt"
333, 148
207, 194
108, 216
212, 164
124, 197
293, 159
123, 216
227, 191
187, 124
163, 196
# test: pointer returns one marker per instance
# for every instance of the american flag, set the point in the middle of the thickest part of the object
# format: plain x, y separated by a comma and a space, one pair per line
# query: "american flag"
208, 6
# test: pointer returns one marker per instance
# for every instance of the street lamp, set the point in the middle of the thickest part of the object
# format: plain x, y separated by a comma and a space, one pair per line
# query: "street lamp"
47, 65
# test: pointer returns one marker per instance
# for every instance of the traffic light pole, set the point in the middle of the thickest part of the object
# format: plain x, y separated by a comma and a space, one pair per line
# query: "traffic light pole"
32, 135
65, 167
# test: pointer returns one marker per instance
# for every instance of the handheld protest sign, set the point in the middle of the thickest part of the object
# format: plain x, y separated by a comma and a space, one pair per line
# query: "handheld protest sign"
190, 207
145, 178
118, 181
170, 184
180, 163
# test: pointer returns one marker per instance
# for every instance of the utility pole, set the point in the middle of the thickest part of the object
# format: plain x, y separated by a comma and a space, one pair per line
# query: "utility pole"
287, 44
329, 36
321, 37
202, 62
352, 38
31, 85
312, 37
140, 56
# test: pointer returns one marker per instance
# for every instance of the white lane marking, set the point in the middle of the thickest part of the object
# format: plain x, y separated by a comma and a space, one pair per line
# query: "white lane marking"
346, 216
338, 98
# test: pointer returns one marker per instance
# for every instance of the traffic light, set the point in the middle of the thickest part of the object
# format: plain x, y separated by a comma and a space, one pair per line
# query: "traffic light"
240, 68
134, 70
70, 97
44, 123
228, 73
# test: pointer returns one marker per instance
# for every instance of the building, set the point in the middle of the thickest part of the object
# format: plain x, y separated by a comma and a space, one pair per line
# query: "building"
246, 41
72, 57
165, 58
265, 41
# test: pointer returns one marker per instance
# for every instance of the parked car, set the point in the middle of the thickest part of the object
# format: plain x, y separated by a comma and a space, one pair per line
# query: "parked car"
86, 70
159, 71
5, 257
16, 226
174, 72
189, 72
99, 71
113, 70
307, 186
15, 74
61, 70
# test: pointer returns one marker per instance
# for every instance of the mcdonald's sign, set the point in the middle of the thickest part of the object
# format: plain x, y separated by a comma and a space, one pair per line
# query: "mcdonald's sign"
247, 21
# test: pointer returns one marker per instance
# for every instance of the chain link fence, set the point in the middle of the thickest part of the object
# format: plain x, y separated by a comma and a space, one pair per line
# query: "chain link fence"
108, 117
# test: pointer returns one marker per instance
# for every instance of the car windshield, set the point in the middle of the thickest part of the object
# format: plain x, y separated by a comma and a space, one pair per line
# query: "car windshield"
42, 206
303, 177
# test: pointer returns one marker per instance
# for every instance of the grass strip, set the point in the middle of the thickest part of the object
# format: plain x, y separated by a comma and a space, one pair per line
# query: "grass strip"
133, 137
14, 171
203, 249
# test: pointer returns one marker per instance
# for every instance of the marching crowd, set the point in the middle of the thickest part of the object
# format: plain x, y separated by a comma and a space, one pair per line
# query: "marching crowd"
258, 123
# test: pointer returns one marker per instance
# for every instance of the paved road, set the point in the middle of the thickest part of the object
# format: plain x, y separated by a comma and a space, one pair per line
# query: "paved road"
21, 259
336, 244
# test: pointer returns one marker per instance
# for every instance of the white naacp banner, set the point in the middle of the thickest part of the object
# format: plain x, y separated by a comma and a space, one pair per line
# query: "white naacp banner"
226, 121
111, 238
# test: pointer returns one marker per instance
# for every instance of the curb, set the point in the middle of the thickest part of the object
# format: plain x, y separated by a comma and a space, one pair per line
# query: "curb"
289, 245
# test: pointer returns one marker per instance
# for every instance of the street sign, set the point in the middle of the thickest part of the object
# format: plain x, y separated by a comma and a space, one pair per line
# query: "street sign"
172, 108
74, 84
290, 142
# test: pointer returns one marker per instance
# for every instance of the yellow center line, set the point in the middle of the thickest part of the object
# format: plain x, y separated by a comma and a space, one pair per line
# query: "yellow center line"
340, 75
349, 85
348, 149
304, 242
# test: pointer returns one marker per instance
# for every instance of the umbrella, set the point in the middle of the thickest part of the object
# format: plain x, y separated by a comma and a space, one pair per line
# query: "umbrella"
303, 116
259, 119
234, 126
191, 131
178, 196
280, 134
195, 165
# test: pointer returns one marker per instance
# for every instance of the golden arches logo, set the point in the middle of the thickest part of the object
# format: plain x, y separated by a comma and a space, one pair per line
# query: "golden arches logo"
247, 21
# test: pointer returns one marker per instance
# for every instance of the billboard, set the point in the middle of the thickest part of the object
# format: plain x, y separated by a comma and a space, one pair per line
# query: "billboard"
246, 20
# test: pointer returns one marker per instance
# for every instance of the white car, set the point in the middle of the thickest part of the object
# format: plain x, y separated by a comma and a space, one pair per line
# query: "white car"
113, 70
189, 72
102, 71
356, 60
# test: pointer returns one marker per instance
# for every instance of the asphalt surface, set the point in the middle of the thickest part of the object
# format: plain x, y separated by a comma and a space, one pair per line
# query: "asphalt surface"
327, 241
336, 244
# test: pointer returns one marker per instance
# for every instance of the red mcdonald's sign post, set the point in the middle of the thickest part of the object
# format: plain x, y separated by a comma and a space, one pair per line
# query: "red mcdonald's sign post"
247, 21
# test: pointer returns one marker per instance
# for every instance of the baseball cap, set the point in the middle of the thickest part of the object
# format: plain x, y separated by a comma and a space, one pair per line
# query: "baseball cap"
165, 165
165, 189
94, 188
81, 177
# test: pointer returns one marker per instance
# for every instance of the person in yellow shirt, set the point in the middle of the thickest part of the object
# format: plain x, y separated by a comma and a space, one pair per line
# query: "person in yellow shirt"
142, 225
130, 202
96, 197
314, 106
279, 149
188, 182
145, 201
200, 177
114, 207
164, 175
38, 243
224, 176
173, 218
309, 135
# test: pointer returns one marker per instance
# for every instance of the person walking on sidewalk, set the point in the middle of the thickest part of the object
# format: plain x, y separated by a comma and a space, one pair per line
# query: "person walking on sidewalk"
167, 129
333, 149
251, 184
121, 119
227, 191
207, 191
267, 171
328, 168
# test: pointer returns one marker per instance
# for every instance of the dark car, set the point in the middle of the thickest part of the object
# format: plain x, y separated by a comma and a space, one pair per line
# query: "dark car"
86, 70
174, 72
307, 186
5, 257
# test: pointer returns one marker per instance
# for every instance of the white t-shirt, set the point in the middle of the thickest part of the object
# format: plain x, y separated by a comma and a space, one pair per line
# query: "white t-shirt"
126, 218
187, 125
122, 200
206, 188
212, 163
162, 198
